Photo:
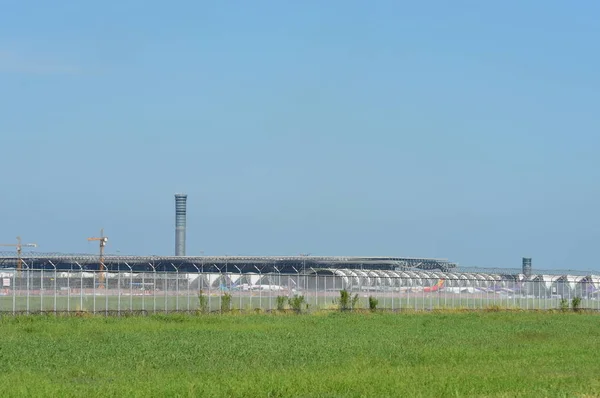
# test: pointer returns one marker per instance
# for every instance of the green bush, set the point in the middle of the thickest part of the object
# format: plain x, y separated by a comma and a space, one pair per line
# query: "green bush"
281, 300
564, 305
346, 301
296, 303
354, 301
226, 302
576, 303
202, 302
373, 303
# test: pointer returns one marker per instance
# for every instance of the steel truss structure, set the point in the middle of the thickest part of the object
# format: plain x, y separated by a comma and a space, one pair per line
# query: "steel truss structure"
221, 263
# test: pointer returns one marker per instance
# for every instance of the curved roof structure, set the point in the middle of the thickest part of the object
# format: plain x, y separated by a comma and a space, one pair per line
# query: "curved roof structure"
458, 281
218, 263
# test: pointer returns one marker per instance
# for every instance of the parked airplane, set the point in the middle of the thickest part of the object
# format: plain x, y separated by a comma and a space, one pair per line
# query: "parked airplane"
250, 287
434, 288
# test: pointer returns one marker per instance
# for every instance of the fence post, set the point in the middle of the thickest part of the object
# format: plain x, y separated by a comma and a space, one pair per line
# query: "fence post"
153, 288
209, 289
298, 283
259, 288
220, 279
389, 282
14, 292
176, 287
69, 288
94, 291
130, 286
55, 292
106, 288
41, 288
118, 290
80, 287
239, 288
423, 297
166, 291
316, 288
271, 284
27, 285
407, 284
487, 292
325, 297
279, 287
516, 284
143, 289
199, 279
187, 290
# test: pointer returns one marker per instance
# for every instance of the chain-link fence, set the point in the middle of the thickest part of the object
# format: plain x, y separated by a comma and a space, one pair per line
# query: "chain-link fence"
39, 290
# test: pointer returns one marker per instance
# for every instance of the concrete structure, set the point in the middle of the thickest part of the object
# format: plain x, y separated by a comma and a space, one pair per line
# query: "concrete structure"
180, 221
526, 266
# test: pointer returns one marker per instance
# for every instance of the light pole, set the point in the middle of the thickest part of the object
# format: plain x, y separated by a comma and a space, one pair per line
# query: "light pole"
304, 255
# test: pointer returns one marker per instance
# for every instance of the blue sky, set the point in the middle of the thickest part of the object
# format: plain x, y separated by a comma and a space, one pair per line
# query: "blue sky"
464, 130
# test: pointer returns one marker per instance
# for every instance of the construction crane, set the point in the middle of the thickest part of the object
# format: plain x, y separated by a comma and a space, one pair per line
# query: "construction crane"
102, 239
19, 247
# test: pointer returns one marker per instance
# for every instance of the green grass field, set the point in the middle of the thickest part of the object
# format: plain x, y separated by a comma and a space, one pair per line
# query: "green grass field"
320, 355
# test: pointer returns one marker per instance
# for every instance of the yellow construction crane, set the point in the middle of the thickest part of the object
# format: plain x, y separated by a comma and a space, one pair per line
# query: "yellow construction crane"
19, 247
102, 239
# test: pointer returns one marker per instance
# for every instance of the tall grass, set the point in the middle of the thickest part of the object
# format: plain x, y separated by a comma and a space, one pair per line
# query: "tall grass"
462, 354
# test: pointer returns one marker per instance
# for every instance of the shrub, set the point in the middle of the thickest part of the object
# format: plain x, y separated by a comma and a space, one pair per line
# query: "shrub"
202, 302
346, 301
296, 303
576, 303
564, 305
226, 302
354, 301
373, 303
281, 303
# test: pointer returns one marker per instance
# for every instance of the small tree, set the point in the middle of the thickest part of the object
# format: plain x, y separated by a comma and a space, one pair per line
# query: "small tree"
354, 302
281, 300
346, 301
202, 302
373, 303
296, 303
226, 302
576, 303
564, 305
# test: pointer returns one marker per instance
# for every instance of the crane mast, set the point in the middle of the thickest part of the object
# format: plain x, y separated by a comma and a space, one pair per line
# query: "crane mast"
102, 267
19, 247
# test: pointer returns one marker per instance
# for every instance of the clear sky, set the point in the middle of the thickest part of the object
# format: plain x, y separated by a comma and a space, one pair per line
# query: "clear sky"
466, 130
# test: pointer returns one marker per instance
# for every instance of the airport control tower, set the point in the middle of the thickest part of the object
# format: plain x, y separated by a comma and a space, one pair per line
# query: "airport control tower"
180, 219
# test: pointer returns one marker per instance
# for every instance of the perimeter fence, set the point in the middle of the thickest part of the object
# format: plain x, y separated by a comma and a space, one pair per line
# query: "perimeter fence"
55, 291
